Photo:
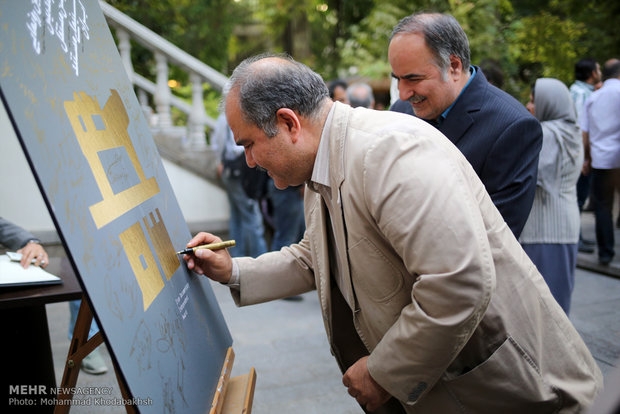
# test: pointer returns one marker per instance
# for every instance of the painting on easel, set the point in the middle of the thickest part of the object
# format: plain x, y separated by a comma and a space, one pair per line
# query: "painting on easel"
92, 154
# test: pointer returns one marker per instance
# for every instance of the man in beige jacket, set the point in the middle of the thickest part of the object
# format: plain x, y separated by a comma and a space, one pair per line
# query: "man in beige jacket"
426, 295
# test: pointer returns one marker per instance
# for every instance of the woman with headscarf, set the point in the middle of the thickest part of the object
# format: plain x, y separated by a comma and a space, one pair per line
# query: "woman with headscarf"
551, 232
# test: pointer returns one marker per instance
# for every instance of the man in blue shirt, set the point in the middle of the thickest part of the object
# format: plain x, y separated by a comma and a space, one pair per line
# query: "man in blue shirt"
587, 74
429, 55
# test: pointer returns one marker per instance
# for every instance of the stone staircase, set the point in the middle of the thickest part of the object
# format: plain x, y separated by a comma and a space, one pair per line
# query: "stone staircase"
185, 146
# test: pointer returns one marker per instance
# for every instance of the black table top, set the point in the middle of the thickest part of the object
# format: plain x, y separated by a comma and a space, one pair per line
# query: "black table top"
20, 296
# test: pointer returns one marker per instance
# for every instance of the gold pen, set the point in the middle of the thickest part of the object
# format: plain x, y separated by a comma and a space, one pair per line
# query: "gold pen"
210, 246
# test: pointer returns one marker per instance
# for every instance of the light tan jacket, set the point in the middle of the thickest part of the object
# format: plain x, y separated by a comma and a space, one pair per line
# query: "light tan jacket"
455, 316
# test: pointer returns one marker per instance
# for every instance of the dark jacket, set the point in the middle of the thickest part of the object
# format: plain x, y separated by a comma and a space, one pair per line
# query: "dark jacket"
501, 140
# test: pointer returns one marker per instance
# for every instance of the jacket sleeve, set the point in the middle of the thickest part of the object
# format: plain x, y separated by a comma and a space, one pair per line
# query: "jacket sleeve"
274, 275
511, 170
13, 236
425, 199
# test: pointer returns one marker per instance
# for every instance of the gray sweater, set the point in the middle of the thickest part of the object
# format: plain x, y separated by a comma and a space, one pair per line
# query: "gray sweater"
13, 236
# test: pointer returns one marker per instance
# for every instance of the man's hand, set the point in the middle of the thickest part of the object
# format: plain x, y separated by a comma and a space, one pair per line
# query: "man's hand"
587, 166
587, 157
33, 251
215, 264
363, 387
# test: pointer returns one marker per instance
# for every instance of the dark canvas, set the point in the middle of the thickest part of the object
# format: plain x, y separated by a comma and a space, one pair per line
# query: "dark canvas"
83, 132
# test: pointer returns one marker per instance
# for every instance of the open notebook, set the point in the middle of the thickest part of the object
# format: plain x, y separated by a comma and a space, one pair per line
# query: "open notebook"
13, 274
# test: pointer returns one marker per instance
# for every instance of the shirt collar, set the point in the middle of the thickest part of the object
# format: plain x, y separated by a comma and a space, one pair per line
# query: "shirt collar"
320, 171
585, 85
444, 115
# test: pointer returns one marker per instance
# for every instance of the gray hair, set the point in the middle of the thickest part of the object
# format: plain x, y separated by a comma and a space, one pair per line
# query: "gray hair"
360, 94
444, 37
286, 84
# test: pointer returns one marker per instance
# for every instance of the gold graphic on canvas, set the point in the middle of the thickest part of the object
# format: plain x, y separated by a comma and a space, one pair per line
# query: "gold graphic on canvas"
163, 246
92, 140
136, 246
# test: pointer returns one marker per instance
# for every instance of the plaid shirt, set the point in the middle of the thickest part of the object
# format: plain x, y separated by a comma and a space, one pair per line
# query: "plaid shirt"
580, 91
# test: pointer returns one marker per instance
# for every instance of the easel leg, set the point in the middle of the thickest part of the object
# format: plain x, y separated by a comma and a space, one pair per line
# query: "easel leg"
79, 348
131, 409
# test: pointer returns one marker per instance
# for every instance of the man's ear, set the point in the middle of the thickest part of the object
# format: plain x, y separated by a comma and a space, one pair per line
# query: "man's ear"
289, 121
456, 66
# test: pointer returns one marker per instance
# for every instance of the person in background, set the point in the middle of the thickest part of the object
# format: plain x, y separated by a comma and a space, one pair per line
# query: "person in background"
600, 126
429, 55
587, 74
287, 218
551, 232
338, 90
246, 221
16, 238
92, 363
360, 94
429, 302
287, 215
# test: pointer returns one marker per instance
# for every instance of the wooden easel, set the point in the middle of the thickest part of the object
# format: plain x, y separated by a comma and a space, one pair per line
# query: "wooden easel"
232, 396
79, 348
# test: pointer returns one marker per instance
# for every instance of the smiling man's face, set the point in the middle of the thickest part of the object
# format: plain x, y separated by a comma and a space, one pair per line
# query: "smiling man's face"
420, 81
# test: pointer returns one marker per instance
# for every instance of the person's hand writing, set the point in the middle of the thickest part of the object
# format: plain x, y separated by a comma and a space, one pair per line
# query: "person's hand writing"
215, 264
363, 387
33, 251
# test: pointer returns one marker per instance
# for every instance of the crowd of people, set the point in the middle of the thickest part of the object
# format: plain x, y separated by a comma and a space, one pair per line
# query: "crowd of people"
538, 174
441, 235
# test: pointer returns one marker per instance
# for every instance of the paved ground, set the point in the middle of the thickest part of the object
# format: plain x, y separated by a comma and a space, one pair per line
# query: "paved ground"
589, 261
285, 342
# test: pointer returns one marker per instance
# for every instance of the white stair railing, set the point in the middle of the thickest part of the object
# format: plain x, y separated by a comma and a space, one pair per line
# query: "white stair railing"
126, 28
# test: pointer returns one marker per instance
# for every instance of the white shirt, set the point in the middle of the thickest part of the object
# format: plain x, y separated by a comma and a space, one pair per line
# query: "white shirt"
601, 120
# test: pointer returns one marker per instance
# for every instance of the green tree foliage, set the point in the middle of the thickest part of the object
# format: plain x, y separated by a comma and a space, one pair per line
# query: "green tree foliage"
363, 51
550, 36
340, 38
600, 20
548, 46
201, 28
487, 24
308, 30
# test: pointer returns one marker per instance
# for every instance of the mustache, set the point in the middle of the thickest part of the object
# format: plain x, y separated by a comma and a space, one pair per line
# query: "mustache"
415, 99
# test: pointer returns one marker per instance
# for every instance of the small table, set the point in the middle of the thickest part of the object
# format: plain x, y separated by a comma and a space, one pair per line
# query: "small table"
25, 347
